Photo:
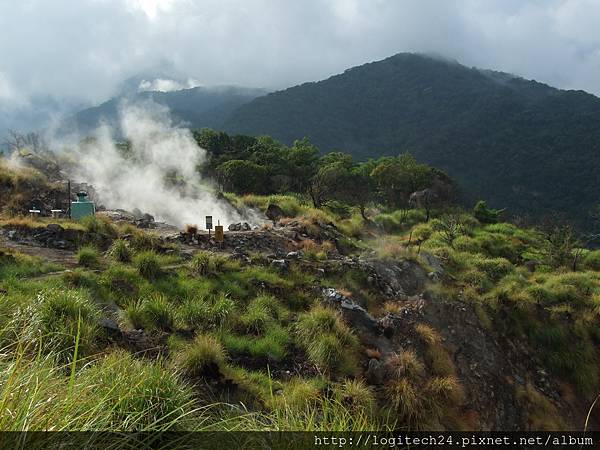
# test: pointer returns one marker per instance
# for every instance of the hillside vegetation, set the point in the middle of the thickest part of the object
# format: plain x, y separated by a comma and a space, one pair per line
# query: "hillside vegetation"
354, 309
517, 143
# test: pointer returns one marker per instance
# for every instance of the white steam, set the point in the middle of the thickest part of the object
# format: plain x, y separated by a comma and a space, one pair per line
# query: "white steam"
159, 151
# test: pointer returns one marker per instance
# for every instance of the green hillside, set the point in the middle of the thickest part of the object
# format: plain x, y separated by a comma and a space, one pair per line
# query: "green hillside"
521, 144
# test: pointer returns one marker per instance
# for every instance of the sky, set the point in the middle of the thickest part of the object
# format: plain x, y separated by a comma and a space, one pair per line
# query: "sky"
79, 51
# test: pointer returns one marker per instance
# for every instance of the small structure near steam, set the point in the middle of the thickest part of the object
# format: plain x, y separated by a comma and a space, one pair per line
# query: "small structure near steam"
82, 207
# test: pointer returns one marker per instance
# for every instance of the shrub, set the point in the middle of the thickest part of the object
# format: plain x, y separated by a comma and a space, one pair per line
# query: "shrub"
467, 244
591, 261
539, 412
122, 281
120, 251
148, 265
494, 268
485, 214
88, 257
204, 357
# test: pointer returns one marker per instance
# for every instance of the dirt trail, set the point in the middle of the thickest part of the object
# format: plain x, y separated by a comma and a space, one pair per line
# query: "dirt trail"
65, 258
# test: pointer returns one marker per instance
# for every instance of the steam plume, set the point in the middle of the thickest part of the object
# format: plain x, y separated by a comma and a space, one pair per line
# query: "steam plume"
156, 174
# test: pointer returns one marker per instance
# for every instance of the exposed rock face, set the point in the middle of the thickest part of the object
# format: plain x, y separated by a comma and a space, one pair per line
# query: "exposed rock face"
54, 236
274, 212
240, 226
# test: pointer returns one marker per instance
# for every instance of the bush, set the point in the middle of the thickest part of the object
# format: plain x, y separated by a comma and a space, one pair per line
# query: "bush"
148, 265
204, 357
591, 261
141, 241
196, 313
494, 268
120, 251
88, 257
485, 214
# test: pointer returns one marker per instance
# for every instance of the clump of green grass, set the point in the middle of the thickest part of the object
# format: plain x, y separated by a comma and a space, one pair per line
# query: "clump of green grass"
17, 265
59, 320
437, 357
138, 395
120, 251
327, 340
204, 357
102, 227
272, 344
158, 313
357, 396
422, 406
202, 313
123, 282
206, 263
148, 264
88, 257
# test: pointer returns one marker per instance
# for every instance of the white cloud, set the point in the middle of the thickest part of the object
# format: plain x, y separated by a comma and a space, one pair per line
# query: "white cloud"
84, 49
163, 85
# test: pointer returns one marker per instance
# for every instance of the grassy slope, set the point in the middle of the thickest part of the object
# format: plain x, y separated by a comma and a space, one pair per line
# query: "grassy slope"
220, 335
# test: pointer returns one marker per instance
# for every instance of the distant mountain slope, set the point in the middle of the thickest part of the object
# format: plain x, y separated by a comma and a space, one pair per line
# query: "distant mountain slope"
518, 143
197, 107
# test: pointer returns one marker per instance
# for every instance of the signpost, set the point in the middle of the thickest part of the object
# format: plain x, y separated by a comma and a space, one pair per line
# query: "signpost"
209, 224
219, 234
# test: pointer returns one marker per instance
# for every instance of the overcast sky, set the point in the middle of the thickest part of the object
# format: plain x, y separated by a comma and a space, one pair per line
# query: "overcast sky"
82, 49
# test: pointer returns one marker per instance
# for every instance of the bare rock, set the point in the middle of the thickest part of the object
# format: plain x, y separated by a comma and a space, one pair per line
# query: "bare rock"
274, 212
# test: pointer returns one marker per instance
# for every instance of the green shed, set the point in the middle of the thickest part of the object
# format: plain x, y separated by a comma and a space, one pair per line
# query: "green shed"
82, 207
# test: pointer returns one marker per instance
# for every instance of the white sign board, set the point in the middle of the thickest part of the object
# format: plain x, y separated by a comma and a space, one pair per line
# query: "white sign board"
209, 224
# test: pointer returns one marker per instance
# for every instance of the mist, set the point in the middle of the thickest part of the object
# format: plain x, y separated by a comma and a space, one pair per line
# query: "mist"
142, 177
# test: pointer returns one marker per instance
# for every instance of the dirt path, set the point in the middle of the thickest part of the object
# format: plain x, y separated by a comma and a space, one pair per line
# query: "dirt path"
65, 258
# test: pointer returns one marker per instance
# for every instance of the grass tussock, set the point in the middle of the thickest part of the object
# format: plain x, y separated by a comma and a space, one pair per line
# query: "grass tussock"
327, 340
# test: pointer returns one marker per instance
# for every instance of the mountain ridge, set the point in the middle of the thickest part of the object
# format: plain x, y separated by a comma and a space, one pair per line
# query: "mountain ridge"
518, 143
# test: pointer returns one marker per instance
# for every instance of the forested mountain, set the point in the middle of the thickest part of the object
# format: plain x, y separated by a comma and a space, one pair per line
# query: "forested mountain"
519, 144
196, 107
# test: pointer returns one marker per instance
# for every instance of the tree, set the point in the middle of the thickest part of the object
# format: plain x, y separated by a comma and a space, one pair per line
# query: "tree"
302, 160
33, 142
485, 214
398, 177
242, 177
